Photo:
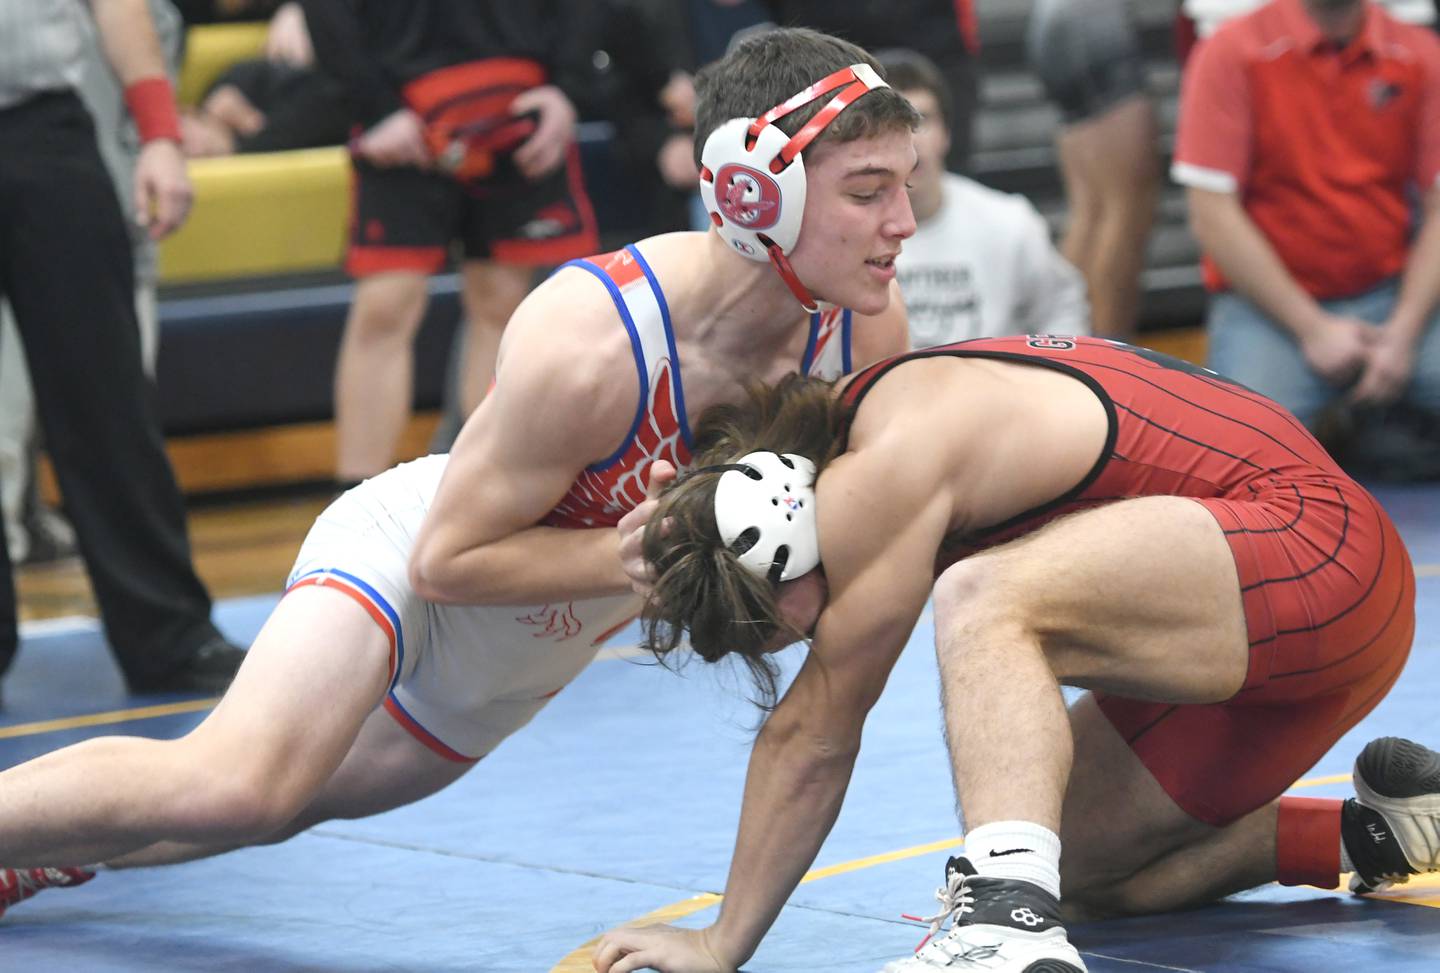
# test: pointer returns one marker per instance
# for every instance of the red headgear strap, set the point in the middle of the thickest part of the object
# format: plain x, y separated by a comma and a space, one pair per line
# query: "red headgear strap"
788, 275
853, 81
781, 191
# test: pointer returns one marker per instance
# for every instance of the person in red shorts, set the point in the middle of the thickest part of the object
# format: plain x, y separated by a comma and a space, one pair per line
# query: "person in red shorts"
1086, 513
468, 120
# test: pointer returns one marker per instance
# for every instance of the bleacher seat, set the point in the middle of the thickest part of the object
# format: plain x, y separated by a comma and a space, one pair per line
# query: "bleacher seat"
262, 214
210, 49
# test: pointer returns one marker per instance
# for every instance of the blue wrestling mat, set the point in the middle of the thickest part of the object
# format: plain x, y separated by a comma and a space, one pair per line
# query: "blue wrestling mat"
620, 801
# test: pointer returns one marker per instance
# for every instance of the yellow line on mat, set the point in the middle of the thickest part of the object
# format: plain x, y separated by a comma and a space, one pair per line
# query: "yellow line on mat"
1420, 891
101, 719
816, 874
578, 960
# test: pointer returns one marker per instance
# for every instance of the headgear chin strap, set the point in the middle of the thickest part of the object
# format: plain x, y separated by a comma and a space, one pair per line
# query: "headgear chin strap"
752, 175
765, 510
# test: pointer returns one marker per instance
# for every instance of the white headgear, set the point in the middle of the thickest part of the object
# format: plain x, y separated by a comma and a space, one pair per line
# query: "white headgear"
752, 175
765, 506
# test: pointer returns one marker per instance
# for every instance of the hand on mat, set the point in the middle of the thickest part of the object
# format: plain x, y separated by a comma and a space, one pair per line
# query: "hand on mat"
663, 948
162, 188
632, 530
544, 152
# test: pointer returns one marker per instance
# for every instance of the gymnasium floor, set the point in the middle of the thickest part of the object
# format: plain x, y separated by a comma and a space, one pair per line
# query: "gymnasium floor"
619, 802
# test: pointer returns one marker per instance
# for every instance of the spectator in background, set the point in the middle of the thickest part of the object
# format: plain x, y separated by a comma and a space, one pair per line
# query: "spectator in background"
981, 263
651, 51
66, 267
468, 121
35, 532
272, 103
1305, 127
1087, 55
1207, 15
266, 106
942, 30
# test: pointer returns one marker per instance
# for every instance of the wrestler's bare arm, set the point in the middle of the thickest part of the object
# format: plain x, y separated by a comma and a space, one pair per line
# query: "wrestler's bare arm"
878, 539
875, 337
559, 404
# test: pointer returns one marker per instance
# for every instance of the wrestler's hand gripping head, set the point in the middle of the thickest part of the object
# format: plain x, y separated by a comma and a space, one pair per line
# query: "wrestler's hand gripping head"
736, 553
752, 175
765, 510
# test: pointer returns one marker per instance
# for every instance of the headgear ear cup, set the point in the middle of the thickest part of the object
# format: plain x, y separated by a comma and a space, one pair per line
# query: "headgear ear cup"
750, 205
769, 501
752, 175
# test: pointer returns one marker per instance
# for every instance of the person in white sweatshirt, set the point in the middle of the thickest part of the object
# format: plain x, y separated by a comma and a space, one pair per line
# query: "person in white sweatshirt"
981, 263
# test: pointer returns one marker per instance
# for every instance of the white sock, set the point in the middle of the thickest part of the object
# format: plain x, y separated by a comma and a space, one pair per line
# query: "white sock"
1016, 849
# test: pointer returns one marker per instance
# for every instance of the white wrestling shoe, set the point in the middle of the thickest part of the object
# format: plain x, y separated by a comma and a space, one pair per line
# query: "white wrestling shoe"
997, 925
1391, 827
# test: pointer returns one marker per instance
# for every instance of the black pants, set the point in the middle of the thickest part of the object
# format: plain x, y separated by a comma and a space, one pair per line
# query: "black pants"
66, 267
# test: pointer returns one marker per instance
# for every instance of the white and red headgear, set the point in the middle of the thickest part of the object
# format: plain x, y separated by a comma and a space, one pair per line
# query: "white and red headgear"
765, 510
752, 175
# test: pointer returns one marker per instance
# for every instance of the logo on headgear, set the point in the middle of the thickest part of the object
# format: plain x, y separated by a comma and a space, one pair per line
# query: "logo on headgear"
747, 197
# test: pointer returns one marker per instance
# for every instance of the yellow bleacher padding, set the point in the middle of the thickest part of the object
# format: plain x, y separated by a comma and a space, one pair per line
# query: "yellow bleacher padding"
268, 213
210, 49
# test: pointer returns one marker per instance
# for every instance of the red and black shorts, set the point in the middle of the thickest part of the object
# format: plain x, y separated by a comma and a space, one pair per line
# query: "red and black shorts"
1329, 595
404, 218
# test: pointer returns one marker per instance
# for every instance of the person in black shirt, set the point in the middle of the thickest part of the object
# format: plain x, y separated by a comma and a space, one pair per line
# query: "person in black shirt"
263, 106
465, 116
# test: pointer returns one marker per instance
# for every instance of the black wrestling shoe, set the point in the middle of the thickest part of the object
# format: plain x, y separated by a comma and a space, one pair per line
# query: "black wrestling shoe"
1391, 827
998, 925
209, 670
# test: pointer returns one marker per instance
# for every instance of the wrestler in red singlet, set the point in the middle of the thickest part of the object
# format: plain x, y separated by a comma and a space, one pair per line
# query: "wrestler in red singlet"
1327, 585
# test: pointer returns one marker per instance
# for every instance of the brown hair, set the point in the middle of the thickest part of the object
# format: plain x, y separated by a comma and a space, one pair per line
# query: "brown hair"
908, 70
701, 589
768, 67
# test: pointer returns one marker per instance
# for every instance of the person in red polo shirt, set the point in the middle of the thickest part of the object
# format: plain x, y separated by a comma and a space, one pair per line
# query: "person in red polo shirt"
1305, 128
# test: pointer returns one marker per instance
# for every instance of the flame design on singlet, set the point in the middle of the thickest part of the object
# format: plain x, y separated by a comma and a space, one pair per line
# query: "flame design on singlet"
606, 491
